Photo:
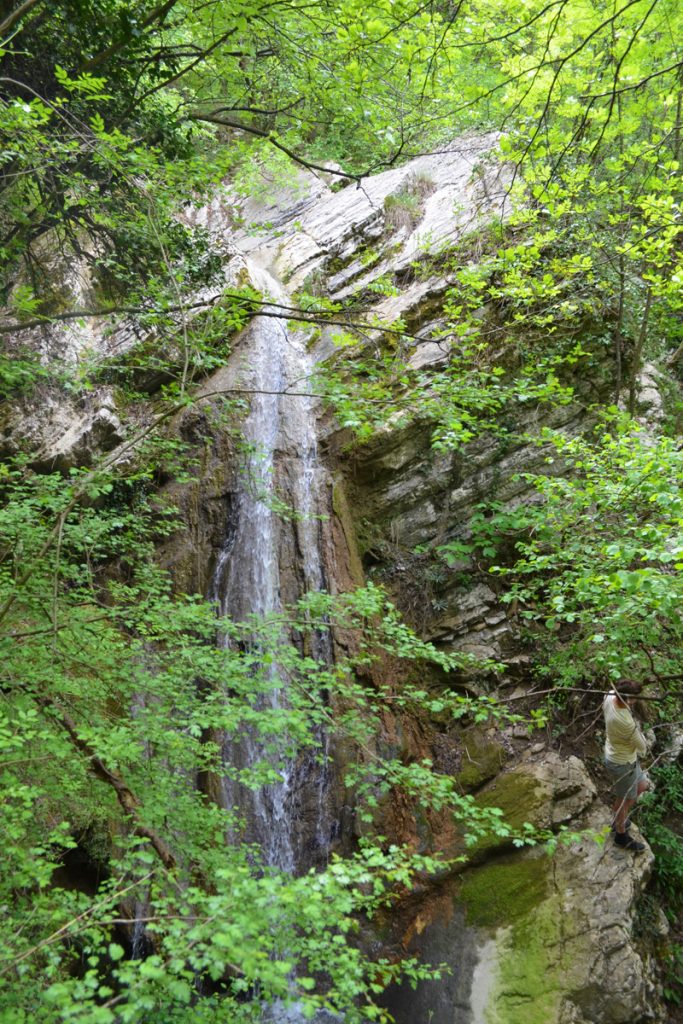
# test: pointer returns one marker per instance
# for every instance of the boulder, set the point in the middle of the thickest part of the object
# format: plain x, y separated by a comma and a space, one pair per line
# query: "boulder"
545, 793
533, 937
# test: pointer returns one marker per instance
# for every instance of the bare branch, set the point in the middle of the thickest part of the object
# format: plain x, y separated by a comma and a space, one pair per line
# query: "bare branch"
259, 307
224, 122
638, 85
10, 21
124, 794
88, 314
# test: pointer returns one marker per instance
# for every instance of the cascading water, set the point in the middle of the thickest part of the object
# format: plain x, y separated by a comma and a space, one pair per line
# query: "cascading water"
247, 579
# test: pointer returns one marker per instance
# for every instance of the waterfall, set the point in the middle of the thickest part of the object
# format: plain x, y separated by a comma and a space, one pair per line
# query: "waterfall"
247, 575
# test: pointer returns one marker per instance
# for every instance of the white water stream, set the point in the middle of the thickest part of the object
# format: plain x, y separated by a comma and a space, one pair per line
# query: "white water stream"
279, 428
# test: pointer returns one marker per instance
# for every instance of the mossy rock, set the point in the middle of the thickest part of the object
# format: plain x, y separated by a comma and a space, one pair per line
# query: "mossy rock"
524, 976
341, 509
535, 971
499, 893
521, 796
482, 758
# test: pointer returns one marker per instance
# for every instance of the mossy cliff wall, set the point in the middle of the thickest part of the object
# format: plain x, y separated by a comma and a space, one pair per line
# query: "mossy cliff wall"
530, 938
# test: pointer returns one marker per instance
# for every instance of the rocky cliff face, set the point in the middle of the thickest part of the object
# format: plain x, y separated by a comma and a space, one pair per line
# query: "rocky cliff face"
527, 938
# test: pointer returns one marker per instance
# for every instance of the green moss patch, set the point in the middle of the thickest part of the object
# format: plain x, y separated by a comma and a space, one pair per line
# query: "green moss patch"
500, 893
482, 759
514, 898
534, 970
520, 796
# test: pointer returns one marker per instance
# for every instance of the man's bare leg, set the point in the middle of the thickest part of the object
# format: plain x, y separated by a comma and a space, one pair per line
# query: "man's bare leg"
621, 808
623, 805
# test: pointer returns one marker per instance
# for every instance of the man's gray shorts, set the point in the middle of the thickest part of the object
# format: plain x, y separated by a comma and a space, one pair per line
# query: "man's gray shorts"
625, 778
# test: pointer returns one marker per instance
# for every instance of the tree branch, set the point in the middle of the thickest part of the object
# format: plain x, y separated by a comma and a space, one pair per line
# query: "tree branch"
11, 19
157, 14
637, 85
320, 318
224, 122
124, 794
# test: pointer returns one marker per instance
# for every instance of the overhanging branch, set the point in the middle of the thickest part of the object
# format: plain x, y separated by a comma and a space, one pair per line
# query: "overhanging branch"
10, 21
224, 122
124, 794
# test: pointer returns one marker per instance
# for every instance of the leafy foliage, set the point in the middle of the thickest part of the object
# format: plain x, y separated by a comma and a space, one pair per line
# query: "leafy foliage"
115, 118
104, 728
596, 563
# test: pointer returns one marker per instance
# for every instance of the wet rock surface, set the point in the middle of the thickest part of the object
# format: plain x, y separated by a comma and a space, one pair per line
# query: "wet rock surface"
534, 939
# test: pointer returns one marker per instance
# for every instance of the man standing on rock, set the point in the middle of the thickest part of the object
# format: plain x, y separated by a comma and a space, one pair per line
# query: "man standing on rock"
624, 742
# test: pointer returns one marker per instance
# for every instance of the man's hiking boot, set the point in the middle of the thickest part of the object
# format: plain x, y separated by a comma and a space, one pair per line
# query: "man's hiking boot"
627, 842
627, 825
